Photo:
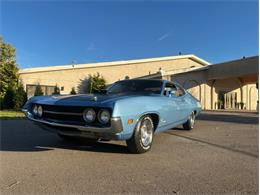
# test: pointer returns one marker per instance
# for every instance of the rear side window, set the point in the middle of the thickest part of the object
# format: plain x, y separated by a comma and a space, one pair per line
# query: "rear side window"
180, 90
168, 88
177, 90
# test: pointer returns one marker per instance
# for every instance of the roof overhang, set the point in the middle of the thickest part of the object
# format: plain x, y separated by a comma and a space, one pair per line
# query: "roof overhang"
115, 63
237, 68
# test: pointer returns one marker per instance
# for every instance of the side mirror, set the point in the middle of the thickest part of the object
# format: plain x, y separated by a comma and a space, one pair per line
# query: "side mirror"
172, 93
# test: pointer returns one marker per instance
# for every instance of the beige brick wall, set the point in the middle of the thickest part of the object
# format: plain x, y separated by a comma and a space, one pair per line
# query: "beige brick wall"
196, 82
72, 77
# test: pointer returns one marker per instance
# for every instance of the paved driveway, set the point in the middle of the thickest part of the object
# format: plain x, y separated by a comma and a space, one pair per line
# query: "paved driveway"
219, 156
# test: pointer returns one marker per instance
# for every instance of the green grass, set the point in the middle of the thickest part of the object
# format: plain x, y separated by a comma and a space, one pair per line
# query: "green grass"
10, 114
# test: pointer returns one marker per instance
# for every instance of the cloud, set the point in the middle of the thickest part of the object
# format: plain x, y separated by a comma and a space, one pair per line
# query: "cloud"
164, 36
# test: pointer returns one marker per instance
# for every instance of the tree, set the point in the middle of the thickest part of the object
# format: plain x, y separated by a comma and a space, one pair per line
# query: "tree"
38, 90
96, 82
8, 68
9, 98
1, 103
73, 92
56, 90
12, 94
20, 96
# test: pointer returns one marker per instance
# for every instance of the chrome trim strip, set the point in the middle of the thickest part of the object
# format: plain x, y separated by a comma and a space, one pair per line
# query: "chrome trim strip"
116, 125
63, 113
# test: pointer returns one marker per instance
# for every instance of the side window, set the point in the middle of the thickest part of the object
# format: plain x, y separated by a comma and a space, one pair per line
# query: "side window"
180, 91
172, 89
169, 88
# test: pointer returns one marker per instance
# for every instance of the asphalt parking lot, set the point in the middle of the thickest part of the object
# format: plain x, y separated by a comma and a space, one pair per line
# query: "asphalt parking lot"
219, 156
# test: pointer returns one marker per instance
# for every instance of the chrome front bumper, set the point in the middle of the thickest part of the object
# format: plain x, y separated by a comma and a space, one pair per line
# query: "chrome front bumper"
115, 127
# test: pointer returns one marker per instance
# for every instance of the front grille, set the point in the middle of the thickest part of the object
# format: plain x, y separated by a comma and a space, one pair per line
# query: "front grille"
71, 109
63, 117
68, 115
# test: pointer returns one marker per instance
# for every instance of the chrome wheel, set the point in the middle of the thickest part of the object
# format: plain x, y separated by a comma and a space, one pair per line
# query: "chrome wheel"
189, 124
146, 129
142, 138
192, 119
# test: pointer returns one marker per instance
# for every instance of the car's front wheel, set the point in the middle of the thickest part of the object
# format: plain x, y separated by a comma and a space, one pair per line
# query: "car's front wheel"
142, 138
190, 122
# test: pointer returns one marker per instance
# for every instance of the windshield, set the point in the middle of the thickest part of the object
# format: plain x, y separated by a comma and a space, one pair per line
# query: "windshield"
136, 86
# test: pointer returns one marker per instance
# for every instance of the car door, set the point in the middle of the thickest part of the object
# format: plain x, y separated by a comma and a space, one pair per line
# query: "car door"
184, 102
174, 110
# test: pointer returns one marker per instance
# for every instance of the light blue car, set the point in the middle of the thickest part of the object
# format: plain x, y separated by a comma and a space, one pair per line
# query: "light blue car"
131, 110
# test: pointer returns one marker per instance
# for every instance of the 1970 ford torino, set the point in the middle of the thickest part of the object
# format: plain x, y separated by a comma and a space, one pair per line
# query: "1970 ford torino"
131, 110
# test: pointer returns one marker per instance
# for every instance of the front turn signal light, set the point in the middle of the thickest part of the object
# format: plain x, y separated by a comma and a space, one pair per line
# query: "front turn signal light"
130, 121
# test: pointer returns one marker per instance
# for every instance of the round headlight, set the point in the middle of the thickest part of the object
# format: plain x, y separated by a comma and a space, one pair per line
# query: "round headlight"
39, 111
104, 116
89, 115
35, 110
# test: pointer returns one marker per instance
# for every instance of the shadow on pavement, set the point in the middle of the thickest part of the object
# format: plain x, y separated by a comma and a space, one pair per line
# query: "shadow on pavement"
24, 136
213, 144
230, 118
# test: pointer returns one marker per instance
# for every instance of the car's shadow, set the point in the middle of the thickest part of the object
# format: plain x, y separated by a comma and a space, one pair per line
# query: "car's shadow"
23, 136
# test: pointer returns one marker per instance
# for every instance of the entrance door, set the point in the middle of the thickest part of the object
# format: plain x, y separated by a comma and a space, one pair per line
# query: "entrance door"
230, 100
221, 100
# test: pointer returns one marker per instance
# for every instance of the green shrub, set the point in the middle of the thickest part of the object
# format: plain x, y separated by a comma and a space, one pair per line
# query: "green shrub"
20, 97
38, 90
1, 103
9, 98
73, 92
96, 82
56, 90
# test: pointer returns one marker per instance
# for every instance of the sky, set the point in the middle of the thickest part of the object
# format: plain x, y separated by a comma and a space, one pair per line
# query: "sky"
47, 33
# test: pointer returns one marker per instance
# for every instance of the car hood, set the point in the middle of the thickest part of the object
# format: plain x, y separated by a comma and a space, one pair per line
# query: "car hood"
81, 100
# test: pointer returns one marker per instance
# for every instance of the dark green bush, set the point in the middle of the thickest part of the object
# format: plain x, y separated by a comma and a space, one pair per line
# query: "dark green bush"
1, 103
56, 90
9, 98
96, 82
73, 92
38, 90
20, 97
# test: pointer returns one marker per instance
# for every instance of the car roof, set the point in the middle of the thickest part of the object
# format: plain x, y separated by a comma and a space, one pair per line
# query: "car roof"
163, 81
143, 80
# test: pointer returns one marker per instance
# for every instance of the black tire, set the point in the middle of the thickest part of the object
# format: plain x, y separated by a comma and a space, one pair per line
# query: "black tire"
190, 122
136, 144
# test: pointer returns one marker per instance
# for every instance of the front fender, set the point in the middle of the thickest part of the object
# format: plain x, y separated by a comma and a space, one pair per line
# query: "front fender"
28, 104
133, 109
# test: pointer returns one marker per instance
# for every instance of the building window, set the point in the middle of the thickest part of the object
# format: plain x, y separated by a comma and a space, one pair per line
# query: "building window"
47, 90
